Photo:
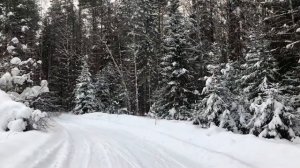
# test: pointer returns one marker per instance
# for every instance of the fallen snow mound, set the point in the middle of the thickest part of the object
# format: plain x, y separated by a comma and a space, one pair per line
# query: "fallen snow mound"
14, 116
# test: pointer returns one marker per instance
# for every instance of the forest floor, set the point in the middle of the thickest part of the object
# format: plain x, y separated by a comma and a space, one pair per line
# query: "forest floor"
119, 141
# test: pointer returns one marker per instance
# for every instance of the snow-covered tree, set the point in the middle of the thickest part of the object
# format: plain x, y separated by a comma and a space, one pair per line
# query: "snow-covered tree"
110, 95
84, 91
19, 26
17, 80
175, 96
291, 86
20, 90
60, 51
220, 106
271, 117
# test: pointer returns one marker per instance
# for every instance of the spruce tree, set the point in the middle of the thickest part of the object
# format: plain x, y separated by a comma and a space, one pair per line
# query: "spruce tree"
110, 95
84, 91
20, 21
175, 95
60, 51
221, 105
271, 117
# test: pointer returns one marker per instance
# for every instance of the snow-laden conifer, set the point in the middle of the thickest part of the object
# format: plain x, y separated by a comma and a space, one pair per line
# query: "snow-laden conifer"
84, 91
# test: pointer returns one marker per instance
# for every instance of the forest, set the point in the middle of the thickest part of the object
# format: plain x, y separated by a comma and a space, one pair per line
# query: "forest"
234, 64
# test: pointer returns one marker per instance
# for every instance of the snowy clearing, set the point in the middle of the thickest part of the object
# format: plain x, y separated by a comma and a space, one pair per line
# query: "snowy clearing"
120, 141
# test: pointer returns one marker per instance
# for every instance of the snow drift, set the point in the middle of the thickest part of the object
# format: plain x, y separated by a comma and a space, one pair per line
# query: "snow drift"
15, 116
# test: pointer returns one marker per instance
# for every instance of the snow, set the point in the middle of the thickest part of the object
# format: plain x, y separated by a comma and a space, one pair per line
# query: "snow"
20, 6
10, 14
291, 45
24, 47
20, 79
15, 40
6, 81
12, 113
15, 61
15, 71
209, 81
17, 125
35, 91
172, 112
298, 30
122, 141
180, 72
24, 28
10, 49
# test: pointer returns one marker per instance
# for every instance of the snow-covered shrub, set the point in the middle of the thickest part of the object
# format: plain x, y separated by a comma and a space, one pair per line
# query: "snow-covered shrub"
46, 102
15, 116
17, 80
38, 120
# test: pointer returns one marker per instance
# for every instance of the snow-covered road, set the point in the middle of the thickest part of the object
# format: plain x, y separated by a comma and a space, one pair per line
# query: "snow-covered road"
111, 141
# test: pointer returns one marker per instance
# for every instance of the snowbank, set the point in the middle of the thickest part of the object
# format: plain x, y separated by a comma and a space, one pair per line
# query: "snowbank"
12, 114
15, 116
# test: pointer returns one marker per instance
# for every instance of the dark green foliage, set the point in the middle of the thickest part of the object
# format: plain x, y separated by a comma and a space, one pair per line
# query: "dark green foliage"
59, 51
175, 94
85, 100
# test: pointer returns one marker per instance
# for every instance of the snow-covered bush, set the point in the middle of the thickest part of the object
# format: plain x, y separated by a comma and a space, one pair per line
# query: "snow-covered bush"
17, 80
15, 116
46, 102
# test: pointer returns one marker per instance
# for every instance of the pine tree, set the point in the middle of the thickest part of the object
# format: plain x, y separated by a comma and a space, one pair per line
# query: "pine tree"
272, 118
20, 22
139, 26
84, 91
60, 51
201, 37
291, 86
221, 105
99, 16
110, 95
175, 95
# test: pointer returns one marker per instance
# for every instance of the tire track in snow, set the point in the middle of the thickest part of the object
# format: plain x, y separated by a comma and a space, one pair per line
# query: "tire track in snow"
121, 145
228, 156
37, 154
79, 153
83, 143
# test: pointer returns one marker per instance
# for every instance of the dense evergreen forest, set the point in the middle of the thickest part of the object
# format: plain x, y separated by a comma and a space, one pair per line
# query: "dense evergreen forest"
230, 63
